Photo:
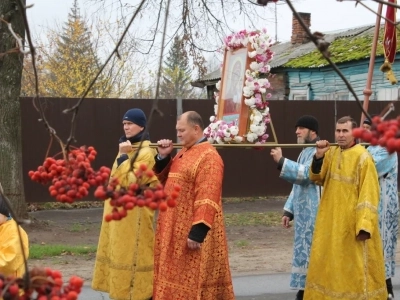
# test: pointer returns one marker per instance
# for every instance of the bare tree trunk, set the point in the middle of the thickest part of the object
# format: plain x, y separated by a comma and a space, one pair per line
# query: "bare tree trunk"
11, 66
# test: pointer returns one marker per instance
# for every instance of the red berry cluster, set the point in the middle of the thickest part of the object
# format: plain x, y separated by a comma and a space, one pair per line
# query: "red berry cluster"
383, 133
44, 284
72, 177
123, 199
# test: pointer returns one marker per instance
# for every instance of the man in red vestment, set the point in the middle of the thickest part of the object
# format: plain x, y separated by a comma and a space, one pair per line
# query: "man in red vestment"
191, 255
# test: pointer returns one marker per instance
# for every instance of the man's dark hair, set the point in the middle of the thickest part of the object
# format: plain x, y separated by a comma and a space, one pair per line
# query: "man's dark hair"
346, 119
194, 118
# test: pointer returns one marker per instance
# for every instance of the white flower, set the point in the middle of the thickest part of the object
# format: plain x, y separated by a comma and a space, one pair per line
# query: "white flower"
214, 126
210, 140
252, 54
250, 83
212, 118
219, 140
250, 101
234, 130
247, 92
257, 118
218, 85
251, 137
253, 128
227, 133
254, 66
238, 139
227, 139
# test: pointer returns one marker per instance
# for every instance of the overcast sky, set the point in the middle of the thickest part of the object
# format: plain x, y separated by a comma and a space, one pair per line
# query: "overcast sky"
326, 15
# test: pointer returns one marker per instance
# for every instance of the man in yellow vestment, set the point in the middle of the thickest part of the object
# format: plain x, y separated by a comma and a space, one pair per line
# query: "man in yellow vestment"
124, 262
190, 255
11, 258
346, 260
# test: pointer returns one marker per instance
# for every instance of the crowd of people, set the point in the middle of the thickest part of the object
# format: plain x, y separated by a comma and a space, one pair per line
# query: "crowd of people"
344, 206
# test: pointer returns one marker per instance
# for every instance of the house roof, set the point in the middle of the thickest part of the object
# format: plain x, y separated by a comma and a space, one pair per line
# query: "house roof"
346, 45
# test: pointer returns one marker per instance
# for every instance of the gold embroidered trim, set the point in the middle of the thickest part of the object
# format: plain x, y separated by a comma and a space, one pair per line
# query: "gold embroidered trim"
106, 260
204, 222
365, 252
209, 202
345, 179
197, 163
339, 295
367, 204
175, 286
363, 158
176, 175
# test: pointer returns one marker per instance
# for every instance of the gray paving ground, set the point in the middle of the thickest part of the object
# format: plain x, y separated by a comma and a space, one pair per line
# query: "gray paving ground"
251, 287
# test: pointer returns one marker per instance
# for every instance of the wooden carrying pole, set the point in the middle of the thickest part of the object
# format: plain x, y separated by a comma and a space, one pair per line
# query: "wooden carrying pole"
154, 145
367, 91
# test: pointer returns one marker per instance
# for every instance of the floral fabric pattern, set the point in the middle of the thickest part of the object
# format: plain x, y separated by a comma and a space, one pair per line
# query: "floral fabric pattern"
386, 165
303, 203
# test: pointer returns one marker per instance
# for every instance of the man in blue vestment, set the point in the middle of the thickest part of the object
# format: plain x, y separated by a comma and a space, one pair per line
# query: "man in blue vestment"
302, 203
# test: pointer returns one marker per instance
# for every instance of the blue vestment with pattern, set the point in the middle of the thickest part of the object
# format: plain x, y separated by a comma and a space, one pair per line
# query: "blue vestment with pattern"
386, 165
303, 203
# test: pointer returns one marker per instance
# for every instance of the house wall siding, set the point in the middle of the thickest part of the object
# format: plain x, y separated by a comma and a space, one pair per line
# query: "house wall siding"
325, 84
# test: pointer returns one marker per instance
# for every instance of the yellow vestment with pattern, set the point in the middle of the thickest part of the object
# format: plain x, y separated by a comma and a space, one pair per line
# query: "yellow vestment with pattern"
342, 267
11, 258
179, 272
124, 263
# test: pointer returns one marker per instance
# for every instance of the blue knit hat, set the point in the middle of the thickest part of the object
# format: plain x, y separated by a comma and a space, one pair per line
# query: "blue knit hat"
135, 115
368, 121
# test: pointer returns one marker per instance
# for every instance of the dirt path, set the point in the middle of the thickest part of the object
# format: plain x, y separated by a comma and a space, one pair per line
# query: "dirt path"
252, 249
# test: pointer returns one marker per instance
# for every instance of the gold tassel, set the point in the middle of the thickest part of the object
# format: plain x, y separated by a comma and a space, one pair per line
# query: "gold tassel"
386, 67
391, 77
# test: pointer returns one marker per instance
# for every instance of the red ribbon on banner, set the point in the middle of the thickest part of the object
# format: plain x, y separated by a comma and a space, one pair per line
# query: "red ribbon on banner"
390, 42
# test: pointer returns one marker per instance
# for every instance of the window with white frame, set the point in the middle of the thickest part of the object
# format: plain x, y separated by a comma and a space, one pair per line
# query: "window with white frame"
342, 96
299, 91
299, 97
388, 94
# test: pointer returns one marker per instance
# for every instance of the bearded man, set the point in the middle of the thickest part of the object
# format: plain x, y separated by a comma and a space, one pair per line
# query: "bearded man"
302, 204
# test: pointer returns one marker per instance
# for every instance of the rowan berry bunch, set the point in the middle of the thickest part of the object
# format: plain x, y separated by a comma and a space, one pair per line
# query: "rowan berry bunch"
43, 284
72, 176
383, 133
123, 199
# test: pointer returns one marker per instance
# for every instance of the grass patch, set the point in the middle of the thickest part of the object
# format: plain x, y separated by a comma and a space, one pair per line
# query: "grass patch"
242, 243
251, 199
59, 205
253, 218
77, 227
40, 251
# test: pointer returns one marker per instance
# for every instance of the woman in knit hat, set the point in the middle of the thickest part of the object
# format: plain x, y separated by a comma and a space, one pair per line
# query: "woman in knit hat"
124, 260
11, 258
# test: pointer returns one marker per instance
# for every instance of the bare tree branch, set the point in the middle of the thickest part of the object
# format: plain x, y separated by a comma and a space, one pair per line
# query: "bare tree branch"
322, 46
75, 108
